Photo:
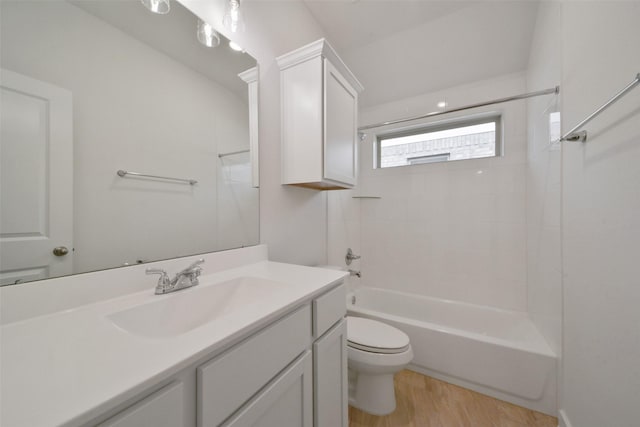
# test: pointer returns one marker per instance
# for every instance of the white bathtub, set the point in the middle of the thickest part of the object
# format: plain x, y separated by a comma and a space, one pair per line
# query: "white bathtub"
496, 352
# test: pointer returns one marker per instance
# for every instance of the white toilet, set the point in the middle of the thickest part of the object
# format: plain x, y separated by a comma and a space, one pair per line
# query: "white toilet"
376, 351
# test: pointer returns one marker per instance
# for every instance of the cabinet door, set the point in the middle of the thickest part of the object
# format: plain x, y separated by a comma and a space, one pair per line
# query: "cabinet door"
341, 117
285, 402
228, 381
330, 378
163, 408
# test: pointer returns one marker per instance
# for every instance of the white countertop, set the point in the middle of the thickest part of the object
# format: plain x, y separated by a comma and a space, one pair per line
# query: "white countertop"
68, 367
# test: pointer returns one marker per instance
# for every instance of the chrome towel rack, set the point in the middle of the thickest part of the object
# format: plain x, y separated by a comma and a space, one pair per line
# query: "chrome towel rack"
231, 153
574, 135
122, 174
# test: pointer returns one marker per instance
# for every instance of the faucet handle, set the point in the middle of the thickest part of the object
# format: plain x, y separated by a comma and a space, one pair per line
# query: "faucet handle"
196, 263
350, 256
164, 277
164, 283
193, 268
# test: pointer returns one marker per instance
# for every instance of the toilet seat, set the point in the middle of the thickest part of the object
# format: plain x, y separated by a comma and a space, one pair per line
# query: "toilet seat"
375, 337
378, 349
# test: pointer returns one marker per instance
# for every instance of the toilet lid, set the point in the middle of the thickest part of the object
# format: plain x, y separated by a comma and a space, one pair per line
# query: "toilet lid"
377, 337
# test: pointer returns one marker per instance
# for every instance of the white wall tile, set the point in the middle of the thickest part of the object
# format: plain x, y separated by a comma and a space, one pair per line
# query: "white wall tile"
445, 229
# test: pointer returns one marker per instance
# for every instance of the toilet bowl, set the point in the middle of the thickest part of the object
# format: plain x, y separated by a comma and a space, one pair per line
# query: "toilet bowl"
375, 351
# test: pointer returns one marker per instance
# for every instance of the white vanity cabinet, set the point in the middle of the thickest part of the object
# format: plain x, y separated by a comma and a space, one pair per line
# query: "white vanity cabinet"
228, 381
319, 100
163, 408
290, 373
330, 359
330, 378
286, 402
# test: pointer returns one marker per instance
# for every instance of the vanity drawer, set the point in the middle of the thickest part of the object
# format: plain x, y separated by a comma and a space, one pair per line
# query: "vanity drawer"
164, 408
228, 381
328, 309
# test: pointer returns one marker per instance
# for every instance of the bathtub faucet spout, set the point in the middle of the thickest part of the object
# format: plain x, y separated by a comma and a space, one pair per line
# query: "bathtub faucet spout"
355, 273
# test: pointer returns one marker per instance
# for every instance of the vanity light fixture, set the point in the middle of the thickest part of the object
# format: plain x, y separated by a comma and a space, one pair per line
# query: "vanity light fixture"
233, 19
161, 7
207, 35
235, 46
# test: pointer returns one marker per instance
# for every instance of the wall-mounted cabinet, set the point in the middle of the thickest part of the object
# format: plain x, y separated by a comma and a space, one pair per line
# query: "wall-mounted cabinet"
319, 98
250, 77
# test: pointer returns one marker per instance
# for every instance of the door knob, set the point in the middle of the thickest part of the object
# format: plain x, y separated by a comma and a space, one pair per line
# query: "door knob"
60, 251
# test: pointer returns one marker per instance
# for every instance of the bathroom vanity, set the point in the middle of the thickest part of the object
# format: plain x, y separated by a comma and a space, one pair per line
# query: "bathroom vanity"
263, 343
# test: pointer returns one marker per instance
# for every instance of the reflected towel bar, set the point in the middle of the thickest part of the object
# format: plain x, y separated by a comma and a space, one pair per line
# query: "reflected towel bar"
550, 91
221, 155
574, 135
122, 174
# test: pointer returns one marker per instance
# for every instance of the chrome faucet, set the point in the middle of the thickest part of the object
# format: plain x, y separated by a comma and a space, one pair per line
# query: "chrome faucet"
355, 273
184, 279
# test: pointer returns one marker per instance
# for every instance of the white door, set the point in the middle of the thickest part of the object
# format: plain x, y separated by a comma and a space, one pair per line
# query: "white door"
36, 179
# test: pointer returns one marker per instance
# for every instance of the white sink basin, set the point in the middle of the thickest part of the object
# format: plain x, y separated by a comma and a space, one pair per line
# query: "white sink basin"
182, 311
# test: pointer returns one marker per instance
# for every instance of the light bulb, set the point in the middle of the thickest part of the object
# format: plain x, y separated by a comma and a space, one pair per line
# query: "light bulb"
233, 19
207, 35
161, 7
235, 46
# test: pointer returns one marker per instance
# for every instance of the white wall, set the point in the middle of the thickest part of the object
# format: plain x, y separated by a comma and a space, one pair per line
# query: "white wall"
544, 262
452, 230
293, 221
601, 217
238, 202
121, 220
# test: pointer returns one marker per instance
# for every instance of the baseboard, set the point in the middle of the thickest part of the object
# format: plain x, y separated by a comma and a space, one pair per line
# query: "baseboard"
547, 407
563, 419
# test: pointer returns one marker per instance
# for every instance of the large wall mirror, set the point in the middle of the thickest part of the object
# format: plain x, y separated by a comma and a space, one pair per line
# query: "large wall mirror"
90, 88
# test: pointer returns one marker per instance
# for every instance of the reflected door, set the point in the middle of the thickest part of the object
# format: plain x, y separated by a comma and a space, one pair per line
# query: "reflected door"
36, 179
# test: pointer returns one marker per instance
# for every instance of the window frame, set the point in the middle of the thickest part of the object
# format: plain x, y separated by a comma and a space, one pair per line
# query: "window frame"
464, 121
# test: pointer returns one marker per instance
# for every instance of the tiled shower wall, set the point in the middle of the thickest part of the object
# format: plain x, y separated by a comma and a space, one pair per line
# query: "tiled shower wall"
544, 238
453, 230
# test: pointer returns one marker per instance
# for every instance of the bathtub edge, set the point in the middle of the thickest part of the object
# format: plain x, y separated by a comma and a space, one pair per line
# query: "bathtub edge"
546, 405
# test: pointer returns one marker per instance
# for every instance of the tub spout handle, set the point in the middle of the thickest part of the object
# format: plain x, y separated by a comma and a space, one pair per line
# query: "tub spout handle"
350, 256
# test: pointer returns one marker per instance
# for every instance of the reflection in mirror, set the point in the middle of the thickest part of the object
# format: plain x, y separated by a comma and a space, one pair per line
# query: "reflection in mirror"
93, 87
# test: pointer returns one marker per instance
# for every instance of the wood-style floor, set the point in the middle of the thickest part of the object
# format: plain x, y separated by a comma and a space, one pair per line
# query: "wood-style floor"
426, 402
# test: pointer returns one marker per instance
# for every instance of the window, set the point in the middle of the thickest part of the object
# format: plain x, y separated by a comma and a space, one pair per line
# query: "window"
470, 138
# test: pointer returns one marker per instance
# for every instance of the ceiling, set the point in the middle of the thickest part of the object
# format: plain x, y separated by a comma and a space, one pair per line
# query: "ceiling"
401, 48
174, 34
